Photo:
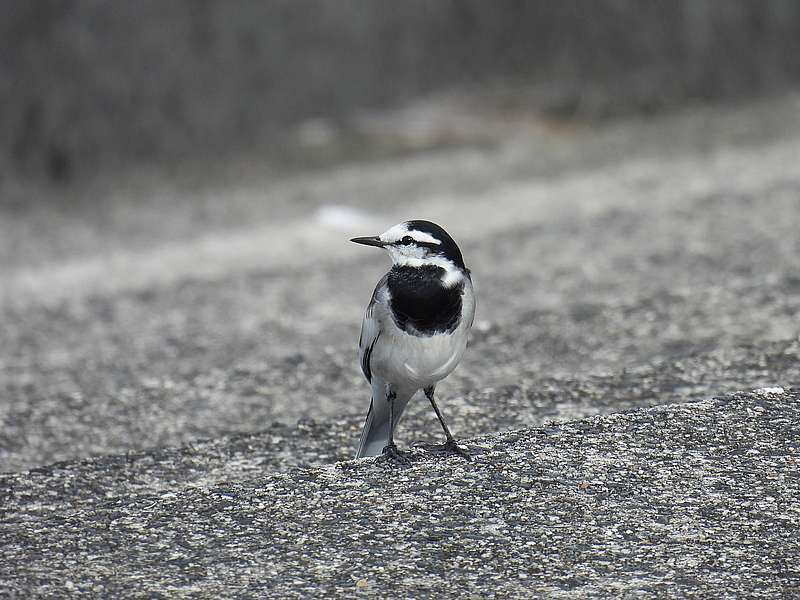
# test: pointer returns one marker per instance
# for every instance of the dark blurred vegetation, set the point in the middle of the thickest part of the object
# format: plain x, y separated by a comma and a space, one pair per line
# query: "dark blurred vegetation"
86, 83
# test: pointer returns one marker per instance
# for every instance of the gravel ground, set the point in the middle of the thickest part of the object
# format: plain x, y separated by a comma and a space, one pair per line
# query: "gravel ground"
683, 500
180, 391
115, 342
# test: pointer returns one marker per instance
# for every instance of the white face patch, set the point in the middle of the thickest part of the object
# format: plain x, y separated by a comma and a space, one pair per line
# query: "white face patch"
416, 256
394, 234
403, 254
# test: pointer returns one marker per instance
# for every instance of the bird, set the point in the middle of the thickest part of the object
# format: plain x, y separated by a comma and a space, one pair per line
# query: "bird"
414, 331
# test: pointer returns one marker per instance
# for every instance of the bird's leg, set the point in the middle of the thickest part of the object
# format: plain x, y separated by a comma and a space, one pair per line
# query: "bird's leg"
390, 398
390, 452
450, 446
429, 395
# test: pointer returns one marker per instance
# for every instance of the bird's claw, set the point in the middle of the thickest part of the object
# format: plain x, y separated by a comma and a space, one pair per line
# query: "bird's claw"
449, 447
391, 454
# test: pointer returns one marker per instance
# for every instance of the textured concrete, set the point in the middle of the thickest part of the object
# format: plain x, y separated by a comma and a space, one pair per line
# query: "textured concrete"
180, 392
683, 500
122, 332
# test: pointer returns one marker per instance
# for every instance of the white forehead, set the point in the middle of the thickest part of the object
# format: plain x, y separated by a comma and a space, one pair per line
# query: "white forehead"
401, 230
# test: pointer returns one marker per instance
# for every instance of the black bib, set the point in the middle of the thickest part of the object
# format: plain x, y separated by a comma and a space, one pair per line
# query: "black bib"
421, 304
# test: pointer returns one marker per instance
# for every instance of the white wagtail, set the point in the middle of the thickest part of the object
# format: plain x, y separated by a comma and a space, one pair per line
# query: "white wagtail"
414, 331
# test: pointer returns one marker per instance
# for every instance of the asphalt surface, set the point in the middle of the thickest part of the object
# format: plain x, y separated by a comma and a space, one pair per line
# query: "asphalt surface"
120, 334
684, 500
179, 379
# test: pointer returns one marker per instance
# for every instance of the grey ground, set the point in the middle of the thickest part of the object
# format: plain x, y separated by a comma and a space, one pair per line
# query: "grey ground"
164, 343
681, 500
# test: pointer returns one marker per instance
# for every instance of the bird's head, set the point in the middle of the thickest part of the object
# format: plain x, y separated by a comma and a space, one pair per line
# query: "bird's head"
419, 243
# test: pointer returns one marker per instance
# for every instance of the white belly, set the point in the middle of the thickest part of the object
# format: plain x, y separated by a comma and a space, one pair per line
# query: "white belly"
413, 362
409, 362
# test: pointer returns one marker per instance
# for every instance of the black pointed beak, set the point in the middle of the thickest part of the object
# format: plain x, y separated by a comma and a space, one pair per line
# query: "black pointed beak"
372, 240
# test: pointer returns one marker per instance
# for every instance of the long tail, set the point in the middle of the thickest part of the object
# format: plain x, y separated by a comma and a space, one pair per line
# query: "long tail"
375, 434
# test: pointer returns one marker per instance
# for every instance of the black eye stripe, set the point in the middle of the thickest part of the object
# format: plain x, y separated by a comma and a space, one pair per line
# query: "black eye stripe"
429, 245
406, 240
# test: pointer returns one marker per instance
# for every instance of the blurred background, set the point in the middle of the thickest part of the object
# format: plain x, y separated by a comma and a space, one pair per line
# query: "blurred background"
89, 84
178, 181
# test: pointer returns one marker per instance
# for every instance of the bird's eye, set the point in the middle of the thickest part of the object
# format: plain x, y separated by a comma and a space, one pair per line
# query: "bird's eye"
407, 240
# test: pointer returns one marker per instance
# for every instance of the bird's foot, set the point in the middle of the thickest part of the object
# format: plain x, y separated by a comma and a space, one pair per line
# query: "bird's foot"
446, 449
392, 455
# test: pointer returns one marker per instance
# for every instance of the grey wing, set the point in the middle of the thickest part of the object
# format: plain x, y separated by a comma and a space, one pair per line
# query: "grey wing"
370, 332
471, 288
